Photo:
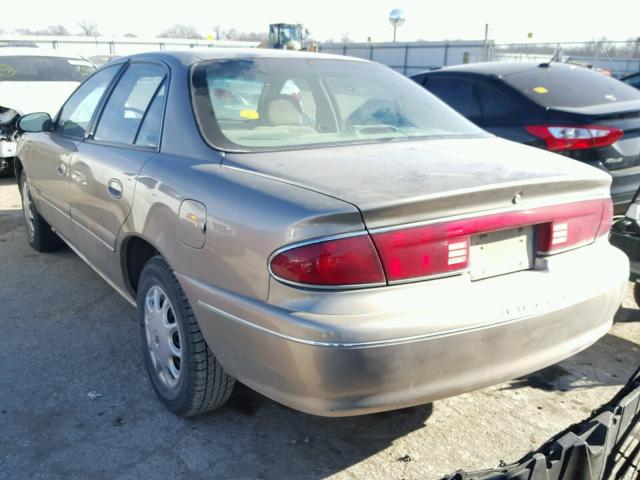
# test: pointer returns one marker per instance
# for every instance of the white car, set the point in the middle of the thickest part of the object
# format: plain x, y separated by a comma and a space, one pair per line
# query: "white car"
33, 80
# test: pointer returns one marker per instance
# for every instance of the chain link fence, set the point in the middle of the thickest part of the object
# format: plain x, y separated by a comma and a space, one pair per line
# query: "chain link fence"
619, 58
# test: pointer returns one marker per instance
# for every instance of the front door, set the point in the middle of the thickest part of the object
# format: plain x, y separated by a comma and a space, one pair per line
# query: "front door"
48, 164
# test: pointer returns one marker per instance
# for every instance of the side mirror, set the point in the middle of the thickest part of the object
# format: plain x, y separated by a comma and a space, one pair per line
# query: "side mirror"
35, 122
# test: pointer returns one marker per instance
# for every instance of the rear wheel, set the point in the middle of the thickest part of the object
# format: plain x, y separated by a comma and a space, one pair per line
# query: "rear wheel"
184, 372
39, 233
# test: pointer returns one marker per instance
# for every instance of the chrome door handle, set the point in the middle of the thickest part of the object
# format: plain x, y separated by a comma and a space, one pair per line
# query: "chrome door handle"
62, 169
115, 188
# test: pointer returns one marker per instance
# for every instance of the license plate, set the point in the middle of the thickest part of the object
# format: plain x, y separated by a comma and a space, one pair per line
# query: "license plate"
497, 253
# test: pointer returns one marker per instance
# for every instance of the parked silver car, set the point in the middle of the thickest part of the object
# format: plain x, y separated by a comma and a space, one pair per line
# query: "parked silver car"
320, 228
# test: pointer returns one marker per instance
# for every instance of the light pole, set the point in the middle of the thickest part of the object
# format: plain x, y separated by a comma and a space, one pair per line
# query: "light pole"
396, 19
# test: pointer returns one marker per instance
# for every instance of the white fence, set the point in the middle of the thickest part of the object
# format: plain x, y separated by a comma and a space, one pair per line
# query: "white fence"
88, 46
413, 57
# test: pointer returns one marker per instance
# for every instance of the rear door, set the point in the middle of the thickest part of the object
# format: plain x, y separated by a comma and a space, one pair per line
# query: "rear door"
104, 171
50, 155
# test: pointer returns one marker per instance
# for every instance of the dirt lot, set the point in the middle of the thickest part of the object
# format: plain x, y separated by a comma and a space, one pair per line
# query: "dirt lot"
75, 401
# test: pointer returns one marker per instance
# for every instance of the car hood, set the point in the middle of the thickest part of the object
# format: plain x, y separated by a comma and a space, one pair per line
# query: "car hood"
401, 182
29, 97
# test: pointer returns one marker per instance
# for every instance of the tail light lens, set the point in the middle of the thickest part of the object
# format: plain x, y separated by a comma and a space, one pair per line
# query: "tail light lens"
435, 249
575, 224
443, 248
345, 262
566, 137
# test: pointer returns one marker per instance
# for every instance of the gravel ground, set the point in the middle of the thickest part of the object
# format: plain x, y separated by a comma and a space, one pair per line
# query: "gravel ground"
75, 401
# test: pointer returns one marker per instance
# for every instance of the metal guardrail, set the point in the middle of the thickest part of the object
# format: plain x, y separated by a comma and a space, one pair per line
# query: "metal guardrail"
605, 446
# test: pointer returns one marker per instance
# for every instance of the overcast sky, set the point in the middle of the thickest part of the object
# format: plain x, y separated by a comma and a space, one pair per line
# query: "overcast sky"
509, 21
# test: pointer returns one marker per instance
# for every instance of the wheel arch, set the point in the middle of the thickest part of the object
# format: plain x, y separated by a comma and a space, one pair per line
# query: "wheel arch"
135, 252
17, 168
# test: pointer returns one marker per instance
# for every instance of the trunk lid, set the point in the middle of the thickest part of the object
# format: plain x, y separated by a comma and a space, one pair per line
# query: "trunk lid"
397, 183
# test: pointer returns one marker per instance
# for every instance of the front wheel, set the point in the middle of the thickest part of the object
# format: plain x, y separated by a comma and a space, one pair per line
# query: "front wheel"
184, 372
39, 233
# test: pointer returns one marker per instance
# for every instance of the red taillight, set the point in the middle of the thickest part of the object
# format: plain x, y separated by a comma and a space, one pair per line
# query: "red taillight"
442, 248
341, 262
434, 249
575, 224
566, 137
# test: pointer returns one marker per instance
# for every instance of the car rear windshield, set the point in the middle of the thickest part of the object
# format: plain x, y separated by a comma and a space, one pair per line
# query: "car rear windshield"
273, 103
34, 68
561, 85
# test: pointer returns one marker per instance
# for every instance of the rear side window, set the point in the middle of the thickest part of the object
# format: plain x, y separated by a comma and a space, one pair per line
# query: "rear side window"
556, 86
126, 108
493, 102
149, 134
76, 115
457, 93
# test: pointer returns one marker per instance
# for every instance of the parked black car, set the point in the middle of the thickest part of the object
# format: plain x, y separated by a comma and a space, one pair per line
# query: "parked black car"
564, 108
633, 80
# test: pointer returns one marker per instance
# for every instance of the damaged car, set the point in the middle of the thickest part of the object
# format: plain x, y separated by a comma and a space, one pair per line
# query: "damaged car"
33, 80
319, 228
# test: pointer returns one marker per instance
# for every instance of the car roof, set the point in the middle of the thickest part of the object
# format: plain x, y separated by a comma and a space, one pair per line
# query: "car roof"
502, 69
189, 57
35, 52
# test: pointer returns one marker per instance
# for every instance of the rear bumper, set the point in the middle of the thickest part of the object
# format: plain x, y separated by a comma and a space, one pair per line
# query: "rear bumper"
337, 357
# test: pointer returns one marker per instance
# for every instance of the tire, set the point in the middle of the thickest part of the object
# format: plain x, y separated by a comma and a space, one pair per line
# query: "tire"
636, 293
39, 233
183, 371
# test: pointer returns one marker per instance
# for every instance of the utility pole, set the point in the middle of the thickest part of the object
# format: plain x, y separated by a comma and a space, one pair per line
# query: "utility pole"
486, 42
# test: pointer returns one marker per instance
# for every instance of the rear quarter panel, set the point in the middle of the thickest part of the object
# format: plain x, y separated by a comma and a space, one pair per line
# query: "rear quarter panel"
248, 217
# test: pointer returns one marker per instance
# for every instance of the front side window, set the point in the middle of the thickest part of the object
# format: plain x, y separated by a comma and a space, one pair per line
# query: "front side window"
76, 115
126, 108
274, 103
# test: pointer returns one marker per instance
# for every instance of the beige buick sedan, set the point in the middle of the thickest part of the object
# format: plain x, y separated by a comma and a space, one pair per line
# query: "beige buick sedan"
319, 228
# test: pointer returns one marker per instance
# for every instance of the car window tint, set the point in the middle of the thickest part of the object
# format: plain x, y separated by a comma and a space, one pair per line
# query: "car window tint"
556, 86
37, 68
75, 116
493, 102
126, 107
149, 134
633, 81
457, 93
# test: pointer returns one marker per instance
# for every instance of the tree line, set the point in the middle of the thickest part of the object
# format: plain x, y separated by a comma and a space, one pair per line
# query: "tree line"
90, 29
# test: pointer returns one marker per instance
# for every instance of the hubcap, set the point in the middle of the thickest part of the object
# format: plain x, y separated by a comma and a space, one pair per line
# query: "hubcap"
163, 336
27, 207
